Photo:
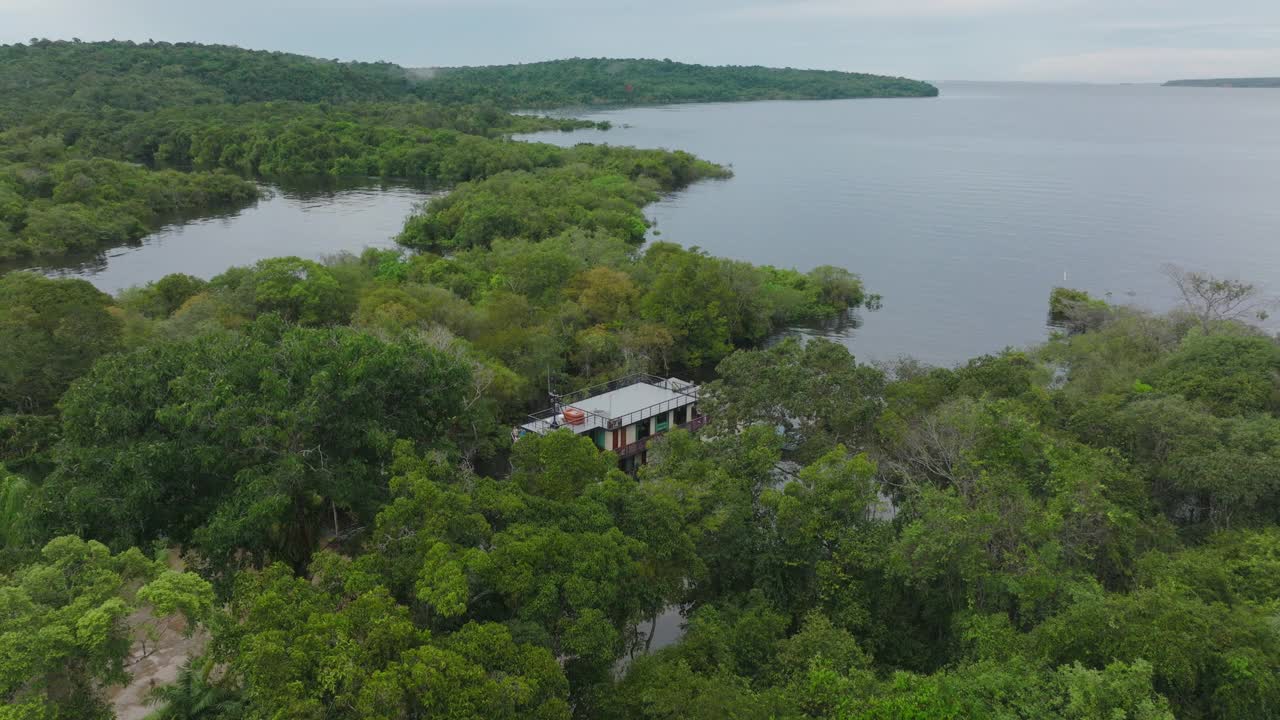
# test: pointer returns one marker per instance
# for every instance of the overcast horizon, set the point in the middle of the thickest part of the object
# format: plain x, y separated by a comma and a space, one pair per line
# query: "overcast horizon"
1141, 41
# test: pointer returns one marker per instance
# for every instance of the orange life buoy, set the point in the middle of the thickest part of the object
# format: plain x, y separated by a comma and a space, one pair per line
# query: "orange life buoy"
574, 416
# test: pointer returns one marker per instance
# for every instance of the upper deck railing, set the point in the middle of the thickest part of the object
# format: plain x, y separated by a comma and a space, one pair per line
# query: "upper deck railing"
687, 390
655, 409
628, 381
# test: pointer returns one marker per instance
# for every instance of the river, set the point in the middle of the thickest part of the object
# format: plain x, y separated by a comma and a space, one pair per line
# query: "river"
308, 219
963, 211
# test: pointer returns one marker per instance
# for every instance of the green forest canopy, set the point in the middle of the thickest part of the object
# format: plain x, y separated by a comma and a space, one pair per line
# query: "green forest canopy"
595, 81
147, 76
1085, 529
89, 132
72, 113
1100, 545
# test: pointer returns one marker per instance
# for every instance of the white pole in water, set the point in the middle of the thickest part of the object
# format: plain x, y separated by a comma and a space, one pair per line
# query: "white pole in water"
1064, 277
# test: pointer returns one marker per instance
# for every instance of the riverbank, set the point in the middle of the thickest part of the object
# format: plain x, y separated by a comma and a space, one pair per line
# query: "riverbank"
967, 209
311, 220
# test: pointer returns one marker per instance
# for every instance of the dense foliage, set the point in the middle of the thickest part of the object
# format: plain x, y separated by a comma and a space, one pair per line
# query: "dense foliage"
54, 199
98, 141
88, 76
80, 76
72, 115
251, 440
1086, 529
51, 332
603, 189
590, 81
66, 631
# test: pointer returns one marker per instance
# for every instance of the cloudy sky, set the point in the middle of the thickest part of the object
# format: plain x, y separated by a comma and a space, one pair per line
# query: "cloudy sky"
1059, 40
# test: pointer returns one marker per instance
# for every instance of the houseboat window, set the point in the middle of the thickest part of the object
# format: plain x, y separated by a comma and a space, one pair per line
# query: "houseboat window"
682, 415
642, 429
598, 436
662, 423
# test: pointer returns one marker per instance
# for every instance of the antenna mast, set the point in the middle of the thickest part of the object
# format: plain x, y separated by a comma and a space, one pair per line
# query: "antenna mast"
555, 397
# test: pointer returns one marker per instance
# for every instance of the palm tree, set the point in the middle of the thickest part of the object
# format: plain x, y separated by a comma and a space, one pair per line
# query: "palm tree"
192, 697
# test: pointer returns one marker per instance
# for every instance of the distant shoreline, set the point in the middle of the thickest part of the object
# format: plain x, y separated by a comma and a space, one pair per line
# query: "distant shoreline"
1271, 82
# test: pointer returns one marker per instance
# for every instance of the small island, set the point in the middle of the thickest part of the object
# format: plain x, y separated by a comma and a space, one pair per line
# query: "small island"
1265, 82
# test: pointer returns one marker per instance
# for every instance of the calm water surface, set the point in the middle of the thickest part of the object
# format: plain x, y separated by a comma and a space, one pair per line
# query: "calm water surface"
964, 211
310, 220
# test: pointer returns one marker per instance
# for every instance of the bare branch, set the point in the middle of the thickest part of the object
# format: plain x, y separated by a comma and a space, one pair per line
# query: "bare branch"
1214, 300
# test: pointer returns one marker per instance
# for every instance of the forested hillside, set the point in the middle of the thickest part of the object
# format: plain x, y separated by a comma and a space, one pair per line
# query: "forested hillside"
70, 76
301, 473
45, 75
591, 81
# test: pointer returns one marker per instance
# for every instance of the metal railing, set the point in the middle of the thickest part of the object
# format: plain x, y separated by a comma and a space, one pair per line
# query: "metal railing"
648, 412
629, 380
549, 413
689, 391
639, 446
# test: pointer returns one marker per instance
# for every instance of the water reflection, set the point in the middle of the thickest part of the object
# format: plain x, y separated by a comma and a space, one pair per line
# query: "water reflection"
311, 218
89, 262
841, 328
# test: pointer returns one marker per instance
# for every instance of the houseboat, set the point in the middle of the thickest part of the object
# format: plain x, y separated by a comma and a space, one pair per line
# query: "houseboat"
621, 416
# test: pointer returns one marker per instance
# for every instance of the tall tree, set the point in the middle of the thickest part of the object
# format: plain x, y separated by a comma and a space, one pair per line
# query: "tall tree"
66, 625
51, 332
248, 445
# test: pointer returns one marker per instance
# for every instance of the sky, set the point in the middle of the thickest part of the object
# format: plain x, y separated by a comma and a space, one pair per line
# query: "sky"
939, 40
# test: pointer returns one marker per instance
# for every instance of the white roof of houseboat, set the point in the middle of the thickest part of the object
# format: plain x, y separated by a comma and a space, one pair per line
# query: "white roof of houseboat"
628, 400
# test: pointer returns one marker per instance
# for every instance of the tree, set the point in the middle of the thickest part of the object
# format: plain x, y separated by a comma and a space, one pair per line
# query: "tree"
1076, 310
65, 624
1214, 300
559, 465
1009, 688
686, 294
51, 332
247, 445
813, 392
299, 290
16, 517
811, 527
1209, 660
162, 298
194, 696
341, 647
1233, 375
604, 293
571, 571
